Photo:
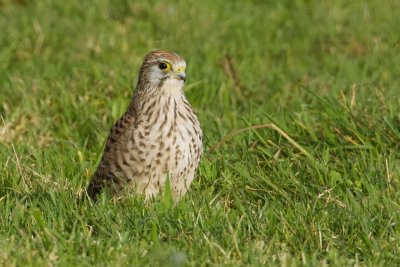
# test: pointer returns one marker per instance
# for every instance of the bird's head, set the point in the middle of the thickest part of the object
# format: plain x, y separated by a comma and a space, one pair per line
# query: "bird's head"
162, 70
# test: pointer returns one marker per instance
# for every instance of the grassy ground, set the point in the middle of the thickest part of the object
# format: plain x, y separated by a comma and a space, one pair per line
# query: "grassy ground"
312, 179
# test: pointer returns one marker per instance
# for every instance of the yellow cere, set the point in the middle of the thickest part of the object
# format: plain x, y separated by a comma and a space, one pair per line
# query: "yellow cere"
180, 69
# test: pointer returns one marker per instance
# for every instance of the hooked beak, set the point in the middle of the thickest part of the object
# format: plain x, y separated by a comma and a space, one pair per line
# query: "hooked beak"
181, 76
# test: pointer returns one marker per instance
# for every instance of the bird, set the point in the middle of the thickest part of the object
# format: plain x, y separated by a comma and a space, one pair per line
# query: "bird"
157, 141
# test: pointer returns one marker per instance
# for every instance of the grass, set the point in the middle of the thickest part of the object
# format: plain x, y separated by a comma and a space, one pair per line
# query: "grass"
313, 178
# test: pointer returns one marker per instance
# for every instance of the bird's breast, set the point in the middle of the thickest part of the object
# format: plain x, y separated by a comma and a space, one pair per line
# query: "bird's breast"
170, 136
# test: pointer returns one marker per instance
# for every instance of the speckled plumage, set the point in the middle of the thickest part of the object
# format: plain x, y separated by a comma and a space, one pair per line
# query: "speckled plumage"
159, 135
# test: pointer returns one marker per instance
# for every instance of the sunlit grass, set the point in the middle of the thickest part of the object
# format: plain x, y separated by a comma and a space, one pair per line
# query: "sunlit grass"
299, 105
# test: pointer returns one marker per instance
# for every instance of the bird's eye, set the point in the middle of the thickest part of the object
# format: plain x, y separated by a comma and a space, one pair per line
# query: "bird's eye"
164, 66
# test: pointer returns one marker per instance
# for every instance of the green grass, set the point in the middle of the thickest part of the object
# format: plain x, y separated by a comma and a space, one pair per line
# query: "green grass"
318, 186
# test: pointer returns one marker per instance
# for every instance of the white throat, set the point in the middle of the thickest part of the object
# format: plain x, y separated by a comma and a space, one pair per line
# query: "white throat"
172, 87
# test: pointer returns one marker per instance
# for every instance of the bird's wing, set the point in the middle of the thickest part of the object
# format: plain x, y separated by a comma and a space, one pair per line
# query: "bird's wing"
104, 177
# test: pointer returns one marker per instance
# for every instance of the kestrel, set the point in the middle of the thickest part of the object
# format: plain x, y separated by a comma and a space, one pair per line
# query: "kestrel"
157, 138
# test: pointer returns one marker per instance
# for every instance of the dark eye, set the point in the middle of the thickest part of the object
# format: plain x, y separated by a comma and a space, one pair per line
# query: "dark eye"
163, 65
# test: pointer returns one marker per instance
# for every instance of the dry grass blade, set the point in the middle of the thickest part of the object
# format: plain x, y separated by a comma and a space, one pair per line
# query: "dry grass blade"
262, 126
229, 69
17, 161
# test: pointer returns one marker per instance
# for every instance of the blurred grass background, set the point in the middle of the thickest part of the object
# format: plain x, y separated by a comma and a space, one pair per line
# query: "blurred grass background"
326, 73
